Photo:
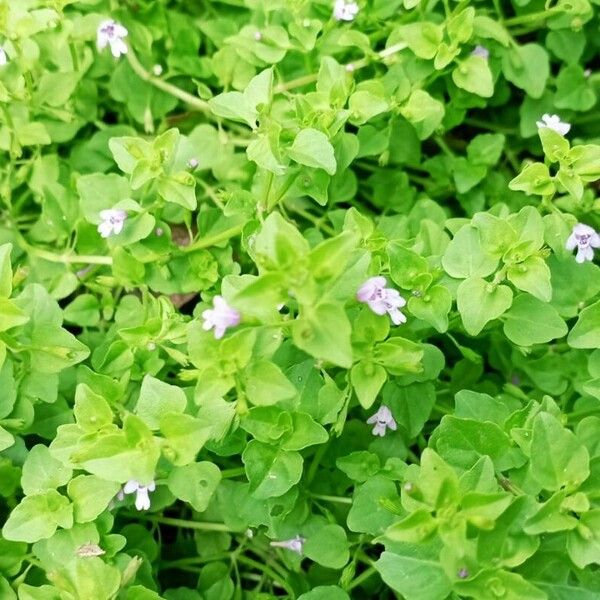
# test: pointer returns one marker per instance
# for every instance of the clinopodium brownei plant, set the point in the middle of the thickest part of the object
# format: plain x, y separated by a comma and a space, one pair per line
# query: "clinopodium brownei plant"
299, 300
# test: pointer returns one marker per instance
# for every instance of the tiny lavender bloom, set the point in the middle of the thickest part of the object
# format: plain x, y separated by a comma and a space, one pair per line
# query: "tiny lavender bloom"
553, 122
221, 317
585, 239
113, 220
295, 544
383, 419
3, 57
345, 11
110, 33
481, 51
382, 300
142, 498
193, 163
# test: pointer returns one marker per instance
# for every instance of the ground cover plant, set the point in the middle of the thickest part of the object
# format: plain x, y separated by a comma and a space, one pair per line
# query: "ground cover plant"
298, 299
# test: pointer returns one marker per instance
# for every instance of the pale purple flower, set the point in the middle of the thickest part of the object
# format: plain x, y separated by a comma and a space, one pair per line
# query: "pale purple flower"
142, 497
382, 419
295, 544
193, 163
585, 239
553, 122
113, 220
3, 57
345, 11
481, 51
221, 317
110, 33
381, 299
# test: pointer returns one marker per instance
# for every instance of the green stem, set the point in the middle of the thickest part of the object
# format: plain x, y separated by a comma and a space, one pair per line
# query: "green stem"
335, 499
354, 66
74, 56
192, 101
70, 258
215, 239
185, 524
366, 574
267, 571
536, 16
236, 472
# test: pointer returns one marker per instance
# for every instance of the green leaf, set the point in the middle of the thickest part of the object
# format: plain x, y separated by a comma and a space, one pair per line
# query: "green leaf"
90, 496
179, 189
305, 432
11, 315
5, 271
36, 517
465, 257
558, 458
531, 321
195, 483
270, 471
473, 75
433, 307
83, 311
574, 91
324, 332
91, 411
486, 149
513, 586
42, 471
583, 543
462, 442
534, 179
586, 332
528, 67
414, 571
533, 276
313, 149
367, 380
424, 112
328, 546
480, 302
158, 398
325, 592
422, 38
265, 384
368, 513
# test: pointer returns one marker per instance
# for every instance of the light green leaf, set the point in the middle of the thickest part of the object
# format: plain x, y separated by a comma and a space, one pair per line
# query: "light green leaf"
313, 149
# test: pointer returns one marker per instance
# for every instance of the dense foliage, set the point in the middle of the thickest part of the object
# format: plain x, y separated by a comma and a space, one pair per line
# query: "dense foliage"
298, 299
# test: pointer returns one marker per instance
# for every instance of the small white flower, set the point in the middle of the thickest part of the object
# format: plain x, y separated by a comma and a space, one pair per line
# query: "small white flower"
382, 300
382, 419
587, 73
350, 67
295, 544
3, 57
585, 239
157, 70
481, 51
553, 122
221, 317
113, 220
159, 231
345, 11
257, 36
110, 33
142, 497
193, 163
